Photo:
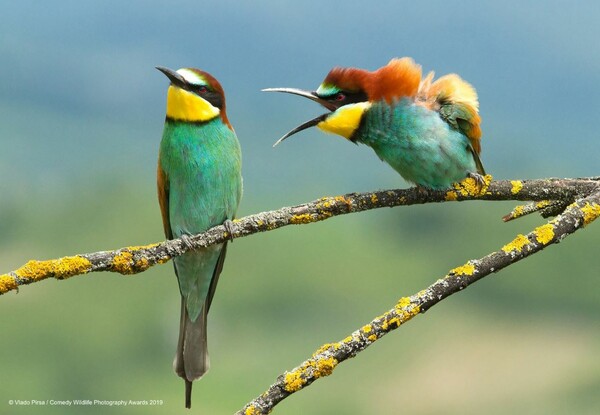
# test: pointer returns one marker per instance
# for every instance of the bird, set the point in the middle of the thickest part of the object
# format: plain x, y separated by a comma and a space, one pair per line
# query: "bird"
199, 186
428, 131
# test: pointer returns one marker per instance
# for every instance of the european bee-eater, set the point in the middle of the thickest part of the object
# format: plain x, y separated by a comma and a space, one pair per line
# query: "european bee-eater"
199, 186
427, 131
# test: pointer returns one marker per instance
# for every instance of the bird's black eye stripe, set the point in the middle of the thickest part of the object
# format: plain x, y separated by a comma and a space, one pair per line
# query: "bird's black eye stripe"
208, 94
213, 97
346, 97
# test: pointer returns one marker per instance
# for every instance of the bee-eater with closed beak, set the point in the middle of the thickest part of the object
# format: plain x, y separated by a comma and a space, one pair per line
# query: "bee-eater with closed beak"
199, 186
428, 131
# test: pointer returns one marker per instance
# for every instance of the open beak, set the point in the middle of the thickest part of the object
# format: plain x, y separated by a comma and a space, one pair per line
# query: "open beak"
306, 94
174, 77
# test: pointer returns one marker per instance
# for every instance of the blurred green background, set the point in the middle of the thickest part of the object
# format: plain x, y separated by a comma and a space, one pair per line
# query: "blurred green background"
81, 115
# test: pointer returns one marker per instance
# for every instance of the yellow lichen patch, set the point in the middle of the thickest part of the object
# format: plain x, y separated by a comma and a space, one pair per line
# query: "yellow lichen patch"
164, 259
140, 247
523, 210
325, 347
293, 381
342, 199
591, 211
330, 204
469, 187
415, 310
123, 263
391, 323
347, 339
518, 211
126, 263
403, 302
58, 268
324, 367
35, 270
517, 185
7, 283
466, 269
251, 410
367, 328
401, 314
516, 244
142, 264
451, 196
73, 265
325, 214
316, 367
406, 315
374, 198
542, 204
544, 234
299, 219
372, 338
325, 202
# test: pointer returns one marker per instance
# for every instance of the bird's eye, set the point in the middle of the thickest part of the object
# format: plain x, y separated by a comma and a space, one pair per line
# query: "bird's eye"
202, 89
340, 96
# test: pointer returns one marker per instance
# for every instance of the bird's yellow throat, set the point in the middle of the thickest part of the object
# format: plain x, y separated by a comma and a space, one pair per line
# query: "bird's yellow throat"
345, 120
183, 105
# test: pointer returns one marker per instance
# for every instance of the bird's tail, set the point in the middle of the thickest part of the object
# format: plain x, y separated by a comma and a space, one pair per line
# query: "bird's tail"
191, 360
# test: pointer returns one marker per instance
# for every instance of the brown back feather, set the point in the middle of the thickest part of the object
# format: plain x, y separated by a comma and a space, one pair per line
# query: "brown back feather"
162, 183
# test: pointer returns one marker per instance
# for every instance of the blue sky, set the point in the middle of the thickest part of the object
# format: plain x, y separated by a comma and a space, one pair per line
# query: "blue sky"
79, 94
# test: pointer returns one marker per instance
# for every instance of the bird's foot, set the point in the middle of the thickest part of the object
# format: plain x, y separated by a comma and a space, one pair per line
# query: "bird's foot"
479, 179
228, 224
187, 241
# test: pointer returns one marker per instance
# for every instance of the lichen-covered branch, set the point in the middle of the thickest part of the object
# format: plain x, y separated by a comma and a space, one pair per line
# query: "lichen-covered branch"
325, 359
134, 259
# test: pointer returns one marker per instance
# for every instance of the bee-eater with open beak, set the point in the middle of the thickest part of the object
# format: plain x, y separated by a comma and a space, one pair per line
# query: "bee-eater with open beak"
199, 186
427, 131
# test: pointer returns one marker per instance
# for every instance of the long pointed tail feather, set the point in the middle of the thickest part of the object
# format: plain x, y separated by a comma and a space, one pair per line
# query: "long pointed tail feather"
191, 359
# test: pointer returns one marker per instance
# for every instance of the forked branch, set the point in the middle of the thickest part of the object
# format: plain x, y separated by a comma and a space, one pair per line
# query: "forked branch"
327, 357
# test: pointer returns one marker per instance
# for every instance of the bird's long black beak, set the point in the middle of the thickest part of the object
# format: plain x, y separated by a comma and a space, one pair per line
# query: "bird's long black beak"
306, 94
303, 126
174, 77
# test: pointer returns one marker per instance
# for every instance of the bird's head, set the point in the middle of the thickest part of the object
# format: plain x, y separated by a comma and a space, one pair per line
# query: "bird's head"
194, 96
342, 94
349, 92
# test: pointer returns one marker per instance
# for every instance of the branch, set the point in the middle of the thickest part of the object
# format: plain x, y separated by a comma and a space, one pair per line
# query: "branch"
325, 359
135, 259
